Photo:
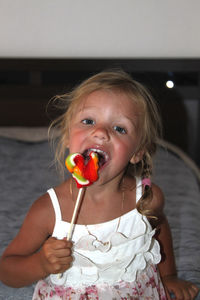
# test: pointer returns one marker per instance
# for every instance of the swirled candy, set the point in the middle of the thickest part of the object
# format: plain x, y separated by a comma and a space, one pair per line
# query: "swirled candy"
84, 170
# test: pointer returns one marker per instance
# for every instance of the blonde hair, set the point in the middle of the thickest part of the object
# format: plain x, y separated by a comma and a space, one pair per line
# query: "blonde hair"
119, 81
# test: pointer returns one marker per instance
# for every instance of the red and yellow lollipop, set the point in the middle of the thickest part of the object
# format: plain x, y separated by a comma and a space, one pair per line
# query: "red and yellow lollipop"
84, 171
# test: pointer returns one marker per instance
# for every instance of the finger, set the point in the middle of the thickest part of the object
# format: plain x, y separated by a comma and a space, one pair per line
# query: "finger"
178, 294
62, 265
190, 291
167, 294
61, 244
194, 290
69, 242
66, 260
59, 263
63, 253
186, 294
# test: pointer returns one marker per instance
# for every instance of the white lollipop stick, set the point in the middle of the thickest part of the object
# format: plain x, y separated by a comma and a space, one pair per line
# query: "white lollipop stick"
69, 235
70, 164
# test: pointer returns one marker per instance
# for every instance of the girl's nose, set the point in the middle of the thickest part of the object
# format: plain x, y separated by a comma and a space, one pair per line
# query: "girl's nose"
101, 133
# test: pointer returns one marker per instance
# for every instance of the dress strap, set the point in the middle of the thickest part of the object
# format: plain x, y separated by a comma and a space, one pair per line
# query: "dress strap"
138, 188
55, 204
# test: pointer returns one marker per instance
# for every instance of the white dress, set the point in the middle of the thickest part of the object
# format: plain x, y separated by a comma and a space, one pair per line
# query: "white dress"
112, 260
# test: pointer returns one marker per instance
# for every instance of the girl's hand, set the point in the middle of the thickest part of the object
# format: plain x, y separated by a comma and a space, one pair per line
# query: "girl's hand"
182, 290
56, 256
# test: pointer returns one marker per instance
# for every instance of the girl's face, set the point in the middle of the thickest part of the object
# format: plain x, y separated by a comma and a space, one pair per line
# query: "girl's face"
107, 122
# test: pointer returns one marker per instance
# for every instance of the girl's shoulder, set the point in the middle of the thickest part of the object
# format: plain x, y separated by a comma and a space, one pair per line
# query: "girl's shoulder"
42, 209
64, 197
41, 212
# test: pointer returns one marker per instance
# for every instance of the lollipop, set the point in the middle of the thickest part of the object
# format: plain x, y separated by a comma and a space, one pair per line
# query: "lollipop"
84, 171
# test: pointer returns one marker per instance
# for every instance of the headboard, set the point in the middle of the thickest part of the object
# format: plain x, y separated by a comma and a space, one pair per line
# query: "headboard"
27, 85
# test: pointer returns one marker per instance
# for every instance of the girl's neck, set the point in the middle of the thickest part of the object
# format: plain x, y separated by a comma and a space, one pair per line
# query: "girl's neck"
97, 192
104, 202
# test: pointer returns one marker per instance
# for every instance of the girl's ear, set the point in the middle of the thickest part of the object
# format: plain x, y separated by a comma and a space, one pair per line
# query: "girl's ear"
66, 140
67, 143
137, 157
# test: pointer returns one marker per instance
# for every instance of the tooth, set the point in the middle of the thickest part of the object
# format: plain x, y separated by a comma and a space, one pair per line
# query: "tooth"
104, 154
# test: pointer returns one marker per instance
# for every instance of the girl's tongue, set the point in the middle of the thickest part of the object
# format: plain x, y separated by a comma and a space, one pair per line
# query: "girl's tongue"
102, 156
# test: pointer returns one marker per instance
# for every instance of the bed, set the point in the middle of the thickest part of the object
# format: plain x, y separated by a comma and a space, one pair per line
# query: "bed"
27, 172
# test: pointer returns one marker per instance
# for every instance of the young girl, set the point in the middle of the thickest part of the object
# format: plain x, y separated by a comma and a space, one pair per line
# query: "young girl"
113, 253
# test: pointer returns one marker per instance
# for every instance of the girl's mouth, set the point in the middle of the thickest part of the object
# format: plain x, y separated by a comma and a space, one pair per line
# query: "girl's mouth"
102, 156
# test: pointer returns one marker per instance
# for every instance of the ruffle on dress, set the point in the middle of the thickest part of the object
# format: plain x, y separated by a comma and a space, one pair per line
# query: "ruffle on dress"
147, 287
112, 259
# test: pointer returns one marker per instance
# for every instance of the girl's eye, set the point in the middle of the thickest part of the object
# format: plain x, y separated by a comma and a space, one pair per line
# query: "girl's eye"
120, 129
87, 122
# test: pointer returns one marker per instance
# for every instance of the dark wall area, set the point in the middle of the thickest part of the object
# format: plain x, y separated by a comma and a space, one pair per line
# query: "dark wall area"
27, 85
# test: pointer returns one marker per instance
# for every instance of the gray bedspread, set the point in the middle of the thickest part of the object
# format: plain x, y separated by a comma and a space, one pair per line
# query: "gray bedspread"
26, 173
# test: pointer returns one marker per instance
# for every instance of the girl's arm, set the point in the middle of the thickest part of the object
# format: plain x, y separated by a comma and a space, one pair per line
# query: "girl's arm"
167, 267
32, 255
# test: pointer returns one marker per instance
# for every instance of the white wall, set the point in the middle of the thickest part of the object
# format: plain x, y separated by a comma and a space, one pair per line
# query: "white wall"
100, 28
